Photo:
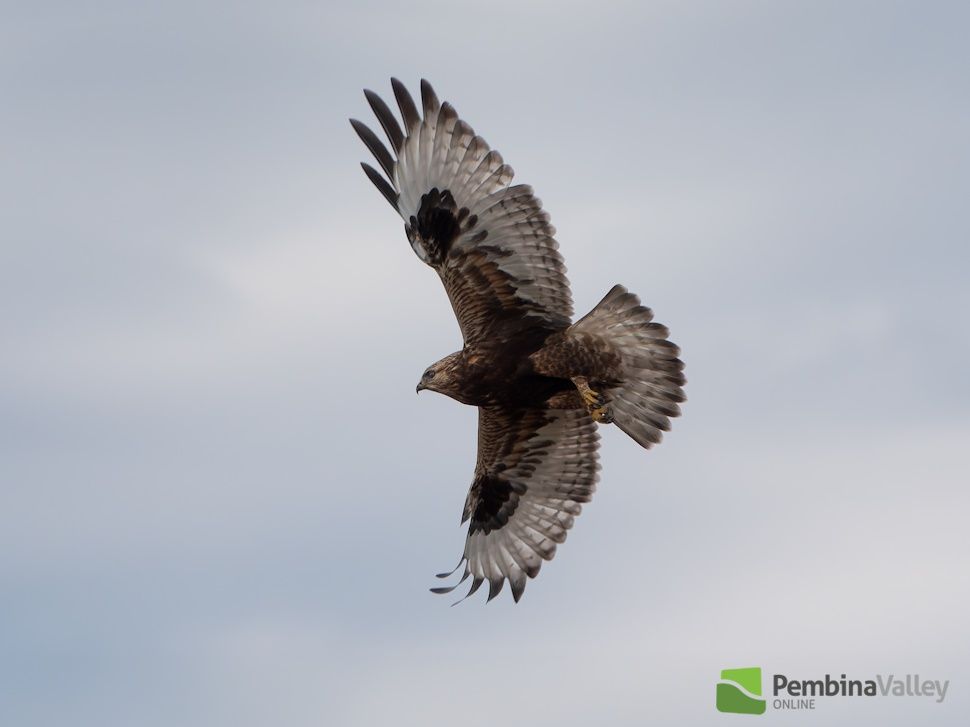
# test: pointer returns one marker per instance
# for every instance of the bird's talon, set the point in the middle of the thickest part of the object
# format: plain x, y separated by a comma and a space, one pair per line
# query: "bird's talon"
602, 414
596, 404
593, 399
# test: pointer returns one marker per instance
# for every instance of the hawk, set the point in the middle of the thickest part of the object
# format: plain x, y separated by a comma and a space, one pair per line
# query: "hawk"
541, 382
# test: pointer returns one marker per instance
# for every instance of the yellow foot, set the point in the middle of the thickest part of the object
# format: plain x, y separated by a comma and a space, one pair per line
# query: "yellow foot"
602, 414
596, 404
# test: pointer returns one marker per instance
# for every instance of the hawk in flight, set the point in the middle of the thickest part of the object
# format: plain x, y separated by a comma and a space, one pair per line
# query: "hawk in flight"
541, 382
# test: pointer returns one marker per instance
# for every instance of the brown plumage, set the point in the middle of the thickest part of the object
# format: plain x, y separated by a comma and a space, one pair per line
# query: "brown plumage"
539, 381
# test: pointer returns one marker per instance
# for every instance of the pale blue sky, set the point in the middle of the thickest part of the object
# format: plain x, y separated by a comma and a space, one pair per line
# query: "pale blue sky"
221, 501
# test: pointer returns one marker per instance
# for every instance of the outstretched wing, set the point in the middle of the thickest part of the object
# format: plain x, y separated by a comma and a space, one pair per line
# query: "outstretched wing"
535, 469
491, 244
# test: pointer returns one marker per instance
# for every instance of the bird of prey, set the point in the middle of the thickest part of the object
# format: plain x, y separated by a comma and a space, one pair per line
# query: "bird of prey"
541, 382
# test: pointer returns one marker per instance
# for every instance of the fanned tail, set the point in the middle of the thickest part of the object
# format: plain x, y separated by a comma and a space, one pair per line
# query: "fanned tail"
651, 374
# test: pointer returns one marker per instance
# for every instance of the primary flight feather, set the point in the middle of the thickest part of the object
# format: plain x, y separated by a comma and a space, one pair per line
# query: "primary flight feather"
540, 382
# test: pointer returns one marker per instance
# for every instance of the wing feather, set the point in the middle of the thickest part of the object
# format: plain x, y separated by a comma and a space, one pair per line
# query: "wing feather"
386, 189
376, 146
429, 100
404, 102
387, 119
491, 243
535, 468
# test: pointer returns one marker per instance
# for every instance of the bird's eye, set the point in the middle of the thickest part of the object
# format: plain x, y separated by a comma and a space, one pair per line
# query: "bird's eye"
429, 374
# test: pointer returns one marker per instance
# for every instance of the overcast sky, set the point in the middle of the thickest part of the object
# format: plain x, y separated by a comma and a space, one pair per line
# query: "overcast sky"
221, 502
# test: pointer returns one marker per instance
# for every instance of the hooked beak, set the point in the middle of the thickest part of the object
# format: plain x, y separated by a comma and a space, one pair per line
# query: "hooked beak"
420, 387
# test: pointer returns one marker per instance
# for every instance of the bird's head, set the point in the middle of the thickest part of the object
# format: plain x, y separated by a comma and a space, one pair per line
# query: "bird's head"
443, 376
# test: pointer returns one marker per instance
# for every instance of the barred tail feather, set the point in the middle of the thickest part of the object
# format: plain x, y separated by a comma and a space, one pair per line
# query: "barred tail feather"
650, 388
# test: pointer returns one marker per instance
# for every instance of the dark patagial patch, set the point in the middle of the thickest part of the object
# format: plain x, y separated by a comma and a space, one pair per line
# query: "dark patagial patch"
439, 222
495, 502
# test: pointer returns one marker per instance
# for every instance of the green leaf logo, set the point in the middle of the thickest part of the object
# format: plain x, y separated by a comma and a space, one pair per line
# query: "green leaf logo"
739, 691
